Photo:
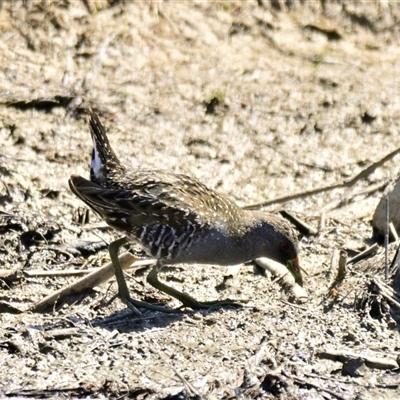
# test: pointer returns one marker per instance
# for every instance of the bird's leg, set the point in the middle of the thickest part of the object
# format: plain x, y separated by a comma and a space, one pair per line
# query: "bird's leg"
122, 286
188, 301
123, 290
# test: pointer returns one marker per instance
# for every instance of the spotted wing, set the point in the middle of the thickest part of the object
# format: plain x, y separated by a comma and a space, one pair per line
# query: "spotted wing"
127, 209
178, 191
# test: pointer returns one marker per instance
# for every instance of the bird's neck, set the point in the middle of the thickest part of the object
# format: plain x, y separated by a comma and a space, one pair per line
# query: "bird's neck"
258, 231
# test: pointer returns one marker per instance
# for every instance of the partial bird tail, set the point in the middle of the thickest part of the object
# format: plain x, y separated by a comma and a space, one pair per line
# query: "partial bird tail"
103, 156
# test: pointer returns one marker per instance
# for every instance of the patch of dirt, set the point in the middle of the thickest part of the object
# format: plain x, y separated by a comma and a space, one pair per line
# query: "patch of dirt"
258, 100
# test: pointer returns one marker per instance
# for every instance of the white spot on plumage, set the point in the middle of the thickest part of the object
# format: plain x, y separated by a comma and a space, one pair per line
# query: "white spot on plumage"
158, 240
96, 160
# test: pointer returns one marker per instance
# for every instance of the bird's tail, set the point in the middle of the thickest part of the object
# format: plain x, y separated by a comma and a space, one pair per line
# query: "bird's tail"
103, 156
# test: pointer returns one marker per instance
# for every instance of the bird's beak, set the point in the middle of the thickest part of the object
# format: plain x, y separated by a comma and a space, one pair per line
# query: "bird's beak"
294, 268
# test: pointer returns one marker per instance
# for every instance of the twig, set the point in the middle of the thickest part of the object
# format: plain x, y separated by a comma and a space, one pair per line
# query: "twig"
342, 266
301, 195
4, 214
283, 274
370, 361
303, 227
249, 378
60, 333
363, 174
371, 250
334, 263
293, 305
169, 20
39, 273
387, 239
6, 307
187, 384
322, 221
93, 279
79, 272
387, 292
91, 76
341, 271
396, 260
314, 385
351, 194
368, 171
393, 232
99, 225
10, 275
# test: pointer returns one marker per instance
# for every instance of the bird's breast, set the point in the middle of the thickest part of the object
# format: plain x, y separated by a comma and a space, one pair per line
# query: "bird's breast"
163, 241
191, 244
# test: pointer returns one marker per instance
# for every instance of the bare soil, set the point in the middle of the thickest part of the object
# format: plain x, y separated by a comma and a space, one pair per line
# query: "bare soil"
256, 99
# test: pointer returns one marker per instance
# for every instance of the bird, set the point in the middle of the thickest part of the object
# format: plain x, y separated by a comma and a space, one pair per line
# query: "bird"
177, 220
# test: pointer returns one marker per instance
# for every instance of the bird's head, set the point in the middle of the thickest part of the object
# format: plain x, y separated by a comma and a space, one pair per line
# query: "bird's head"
289, 256
279, 242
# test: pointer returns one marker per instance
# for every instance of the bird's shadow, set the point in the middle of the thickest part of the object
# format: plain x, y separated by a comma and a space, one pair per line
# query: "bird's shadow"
126, 321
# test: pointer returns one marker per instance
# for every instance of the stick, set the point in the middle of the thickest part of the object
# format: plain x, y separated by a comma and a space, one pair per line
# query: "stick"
333, 266
363, 174
303, 381
395, 260
350, 194
188, 386
393, 232
322, 221
39, 273
88, 282
371, 250
282, 273
370, 361
79, 272
387, 292
387, 239
284, 199
302, 226
342, 266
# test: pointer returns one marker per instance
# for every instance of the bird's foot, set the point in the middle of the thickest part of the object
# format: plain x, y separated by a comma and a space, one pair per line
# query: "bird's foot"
123, 291
185, 299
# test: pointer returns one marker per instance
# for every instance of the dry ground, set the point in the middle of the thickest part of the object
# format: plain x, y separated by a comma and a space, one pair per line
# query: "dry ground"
256, 101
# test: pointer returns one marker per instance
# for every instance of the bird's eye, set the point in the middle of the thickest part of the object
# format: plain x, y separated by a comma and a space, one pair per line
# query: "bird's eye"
283, 246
